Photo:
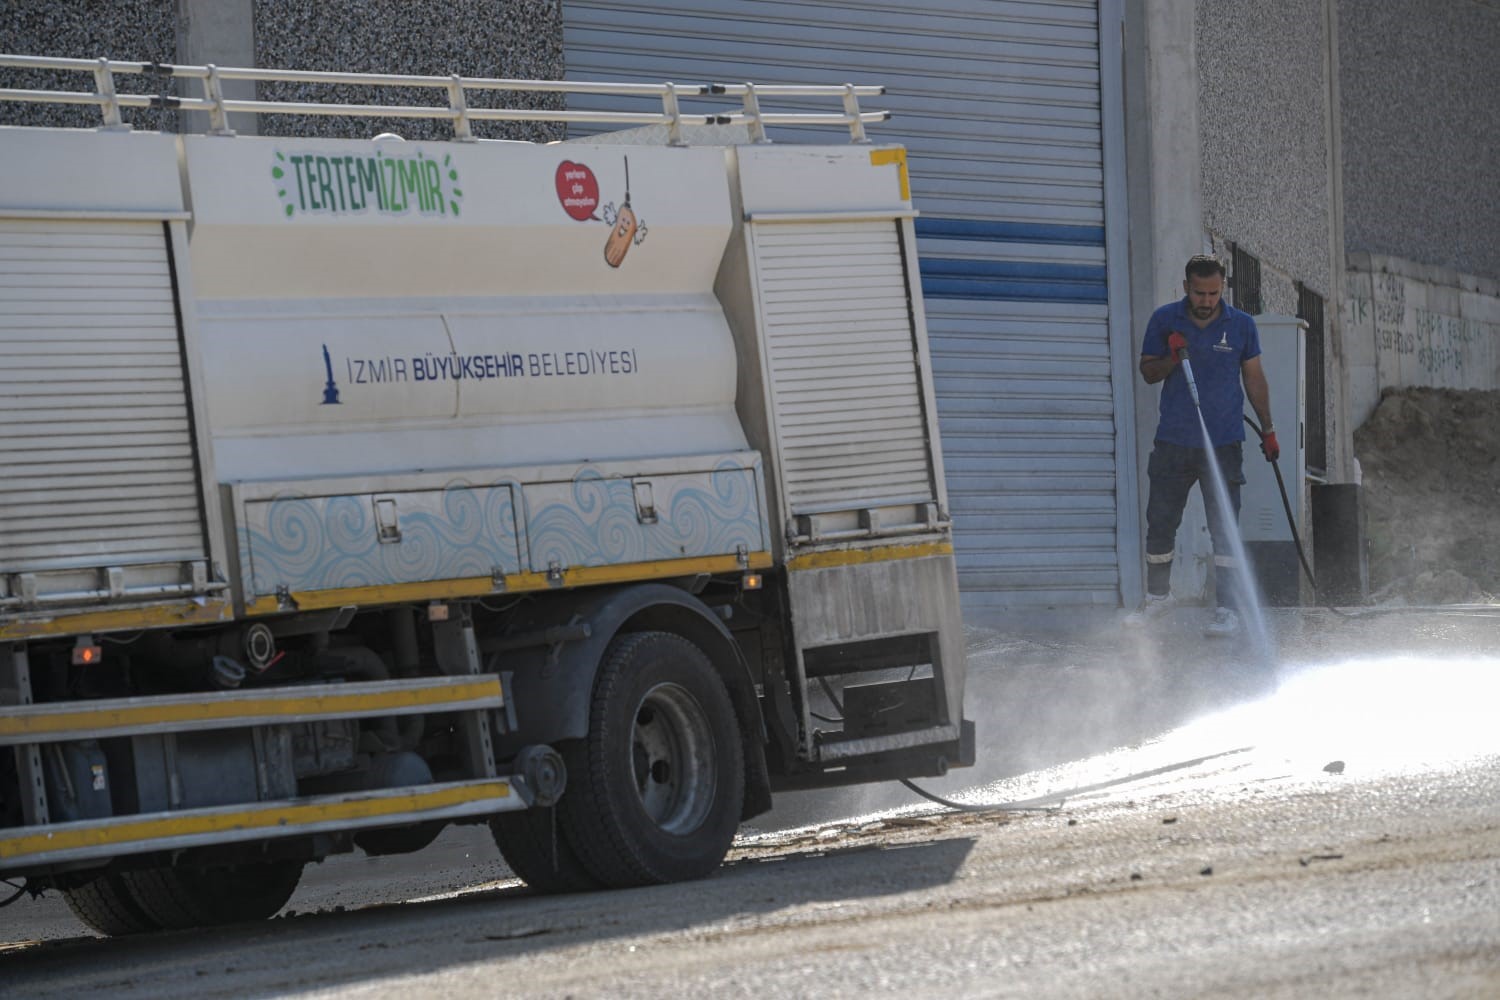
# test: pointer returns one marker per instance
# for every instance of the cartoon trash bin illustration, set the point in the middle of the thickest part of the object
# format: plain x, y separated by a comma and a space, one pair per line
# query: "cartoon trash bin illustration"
623, 232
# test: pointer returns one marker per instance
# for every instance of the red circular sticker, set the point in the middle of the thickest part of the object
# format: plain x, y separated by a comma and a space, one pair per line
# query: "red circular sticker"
577, 189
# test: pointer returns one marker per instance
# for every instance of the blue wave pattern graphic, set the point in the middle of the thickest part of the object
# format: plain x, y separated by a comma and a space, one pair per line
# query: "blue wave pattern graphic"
323, 543
596, 523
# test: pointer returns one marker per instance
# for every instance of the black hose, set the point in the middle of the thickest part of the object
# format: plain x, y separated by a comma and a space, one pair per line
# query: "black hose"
1055, 800
980, 808
20, 890
1286, 505
932, 796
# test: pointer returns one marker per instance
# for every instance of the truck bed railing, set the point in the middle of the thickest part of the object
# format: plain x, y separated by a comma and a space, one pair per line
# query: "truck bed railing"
457, 89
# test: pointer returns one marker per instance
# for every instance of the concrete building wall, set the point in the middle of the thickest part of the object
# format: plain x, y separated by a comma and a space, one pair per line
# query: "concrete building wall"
1262, 98
217, 33
1421, 131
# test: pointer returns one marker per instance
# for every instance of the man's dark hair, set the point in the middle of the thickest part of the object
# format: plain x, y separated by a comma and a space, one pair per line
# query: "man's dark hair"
1203, 266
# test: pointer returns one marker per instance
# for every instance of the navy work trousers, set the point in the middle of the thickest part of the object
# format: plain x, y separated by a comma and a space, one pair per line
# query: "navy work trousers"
1172, 471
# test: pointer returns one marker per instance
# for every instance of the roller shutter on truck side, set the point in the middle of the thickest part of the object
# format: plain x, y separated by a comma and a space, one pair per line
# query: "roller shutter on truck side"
848, 398
97, 443
102, 509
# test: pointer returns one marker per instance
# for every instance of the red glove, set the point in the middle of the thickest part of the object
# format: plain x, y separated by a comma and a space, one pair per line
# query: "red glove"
1269, 447
1176, 345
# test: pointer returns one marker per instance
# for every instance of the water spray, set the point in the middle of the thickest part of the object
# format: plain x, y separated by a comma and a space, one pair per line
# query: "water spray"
1249, 602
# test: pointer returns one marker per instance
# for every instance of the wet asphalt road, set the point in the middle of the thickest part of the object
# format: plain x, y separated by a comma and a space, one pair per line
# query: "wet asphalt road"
1323, 821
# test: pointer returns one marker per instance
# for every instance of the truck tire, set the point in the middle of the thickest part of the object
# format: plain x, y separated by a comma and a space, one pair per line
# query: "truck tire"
534, 845
180, 898
656, 788
106, 905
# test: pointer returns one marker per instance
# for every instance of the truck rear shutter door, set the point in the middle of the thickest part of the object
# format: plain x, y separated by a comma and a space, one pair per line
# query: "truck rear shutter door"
96, 443
847, 395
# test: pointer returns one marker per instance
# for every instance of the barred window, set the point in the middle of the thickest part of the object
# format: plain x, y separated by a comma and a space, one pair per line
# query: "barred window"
1244, 279
1310, 309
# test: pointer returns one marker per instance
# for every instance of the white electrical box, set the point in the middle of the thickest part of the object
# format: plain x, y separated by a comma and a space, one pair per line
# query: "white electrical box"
1269, 539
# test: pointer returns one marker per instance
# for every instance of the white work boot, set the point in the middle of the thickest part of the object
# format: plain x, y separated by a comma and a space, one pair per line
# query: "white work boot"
1151, 609
1224, 624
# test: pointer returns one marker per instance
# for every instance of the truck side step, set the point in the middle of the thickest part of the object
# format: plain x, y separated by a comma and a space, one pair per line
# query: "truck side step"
49, 723
164, 831
837, 749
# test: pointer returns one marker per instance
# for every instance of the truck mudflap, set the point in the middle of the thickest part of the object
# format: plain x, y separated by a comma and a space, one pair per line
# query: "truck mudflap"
59, 737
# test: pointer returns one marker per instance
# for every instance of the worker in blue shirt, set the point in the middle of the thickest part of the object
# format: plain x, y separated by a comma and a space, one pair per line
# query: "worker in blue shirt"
1222, 346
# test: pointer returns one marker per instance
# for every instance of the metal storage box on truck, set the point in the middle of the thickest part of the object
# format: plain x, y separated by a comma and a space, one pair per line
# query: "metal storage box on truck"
471, 378
564, 486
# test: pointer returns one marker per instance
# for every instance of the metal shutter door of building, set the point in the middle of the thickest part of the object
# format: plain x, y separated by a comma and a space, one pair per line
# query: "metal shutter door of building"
846, 395
96, 445
1002, 106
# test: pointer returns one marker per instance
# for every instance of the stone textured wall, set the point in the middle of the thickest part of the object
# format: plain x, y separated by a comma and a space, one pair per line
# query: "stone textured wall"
132, 30
1262, 101
507, 39
1421, 130
510, 39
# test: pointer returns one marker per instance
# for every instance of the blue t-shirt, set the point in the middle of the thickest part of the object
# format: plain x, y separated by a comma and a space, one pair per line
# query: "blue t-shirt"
1216, 353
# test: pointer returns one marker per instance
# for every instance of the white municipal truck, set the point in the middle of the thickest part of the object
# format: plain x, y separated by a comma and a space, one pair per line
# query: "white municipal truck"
351, 488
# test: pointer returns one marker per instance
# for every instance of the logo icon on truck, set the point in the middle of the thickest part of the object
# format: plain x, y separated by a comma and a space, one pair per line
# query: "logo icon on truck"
330, 388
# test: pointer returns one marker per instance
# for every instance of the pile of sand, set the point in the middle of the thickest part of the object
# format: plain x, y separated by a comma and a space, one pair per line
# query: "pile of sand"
1431, 462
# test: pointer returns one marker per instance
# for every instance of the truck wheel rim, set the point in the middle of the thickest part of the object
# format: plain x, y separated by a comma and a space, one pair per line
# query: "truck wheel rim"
672, 757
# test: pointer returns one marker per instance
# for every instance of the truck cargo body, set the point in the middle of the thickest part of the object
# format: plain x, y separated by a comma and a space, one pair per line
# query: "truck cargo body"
354, 487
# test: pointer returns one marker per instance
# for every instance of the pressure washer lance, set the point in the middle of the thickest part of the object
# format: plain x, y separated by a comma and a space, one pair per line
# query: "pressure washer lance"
1187, 372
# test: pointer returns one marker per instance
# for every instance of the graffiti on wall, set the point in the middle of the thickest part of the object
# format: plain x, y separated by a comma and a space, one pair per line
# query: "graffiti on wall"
1425, 334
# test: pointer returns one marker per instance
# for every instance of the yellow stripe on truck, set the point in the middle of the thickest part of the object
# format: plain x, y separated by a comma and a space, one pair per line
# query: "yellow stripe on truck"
481, 586
879, 553
41, 723
31, 625
283, 817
